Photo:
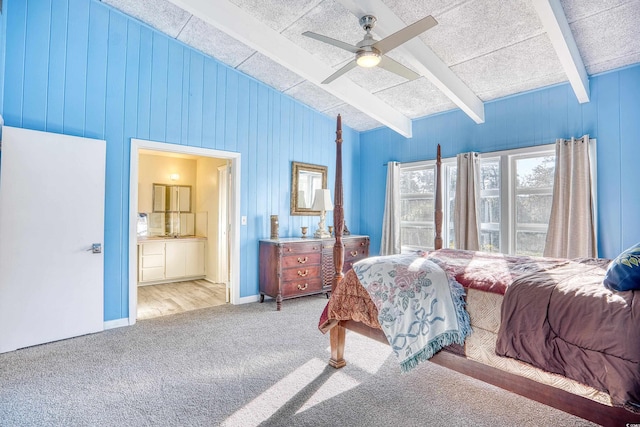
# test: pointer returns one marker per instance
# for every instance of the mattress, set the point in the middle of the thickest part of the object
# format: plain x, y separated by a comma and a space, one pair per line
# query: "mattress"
484, 311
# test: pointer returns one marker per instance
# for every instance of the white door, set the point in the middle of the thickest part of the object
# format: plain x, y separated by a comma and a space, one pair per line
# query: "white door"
51, 213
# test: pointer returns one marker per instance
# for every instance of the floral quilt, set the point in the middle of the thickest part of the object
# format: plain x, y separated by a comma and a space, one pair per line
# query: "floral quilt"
419, 309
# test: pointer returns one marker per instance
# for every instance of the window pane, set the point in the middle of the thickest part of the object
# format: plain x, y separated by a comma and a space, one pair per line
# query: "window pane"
417, 210
490, 175
533, 208
530, 243
490, 241
421, 237
490, 209
453, 175
417, 181
535, 172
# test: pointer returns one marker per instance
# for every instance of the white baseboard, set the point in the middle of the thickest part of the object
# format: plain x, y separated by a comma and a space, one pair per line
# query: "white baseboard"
247, 300
117, 323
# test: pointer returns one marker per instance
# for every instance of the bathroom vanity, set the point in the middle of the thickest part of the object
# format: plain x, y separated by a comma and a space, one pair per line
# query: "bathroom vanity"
169, 259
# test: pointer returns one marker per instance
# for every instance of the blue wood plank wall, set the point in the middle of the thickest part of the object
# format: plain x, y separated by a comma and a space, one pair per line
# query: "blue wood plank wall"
81, 68
532, 118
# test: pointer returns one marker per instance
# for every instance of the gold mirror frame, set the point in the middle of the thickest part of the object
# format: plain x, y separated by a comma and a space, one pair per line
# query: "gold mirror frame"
297, 169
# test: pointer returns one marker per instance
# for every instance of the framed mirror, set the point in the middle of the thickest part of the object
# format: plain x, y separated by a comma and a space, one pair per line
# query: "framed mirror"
305, 180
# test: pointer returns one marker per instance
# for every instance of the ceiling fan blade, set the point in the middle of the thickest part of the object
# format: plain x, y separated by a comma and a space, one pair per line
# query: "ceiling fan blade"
334, 42
397, 68
349, 66
405, 34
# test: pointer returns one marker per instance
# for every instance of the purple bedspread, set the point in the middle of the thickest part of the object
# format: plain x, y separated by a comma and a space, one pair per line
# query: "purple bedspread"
562, 319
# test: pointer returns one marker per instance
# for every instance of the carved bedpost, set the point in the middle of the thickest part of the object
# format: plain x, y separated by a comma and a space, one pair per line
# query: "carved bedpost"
337, 333
438, 214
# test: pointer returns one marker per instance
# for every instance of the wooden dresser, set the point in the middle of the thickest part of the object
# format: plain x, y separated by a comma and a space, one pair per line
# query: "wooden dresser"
295, 267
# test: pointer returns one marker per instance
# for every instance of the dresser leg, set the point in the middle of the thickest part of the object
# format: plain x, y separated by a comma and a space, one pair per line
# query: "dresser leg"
261, 298
279, 302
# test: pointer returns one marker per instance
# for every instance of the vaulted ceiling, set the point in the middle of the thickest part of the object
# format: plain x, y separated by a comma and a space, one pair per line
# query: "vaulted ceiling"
480, 50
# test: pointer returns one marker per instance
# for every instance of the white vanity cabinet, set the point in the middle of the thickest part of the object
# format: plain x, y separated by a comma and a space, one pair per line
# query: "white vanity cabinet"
184, 258
170, 260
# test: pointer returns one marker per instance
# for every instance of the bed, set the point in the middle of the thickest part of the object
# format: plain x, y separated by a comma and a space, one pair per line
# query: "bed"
517, 339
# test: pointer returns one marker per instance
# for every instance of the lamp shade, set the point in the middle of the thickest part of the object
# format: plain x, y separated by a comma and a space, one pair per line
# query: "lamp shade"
322, 200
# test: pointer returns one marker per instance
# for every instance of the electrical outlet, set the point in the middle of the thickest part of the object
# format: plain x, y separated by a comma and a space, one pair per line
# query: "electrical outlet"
243, 220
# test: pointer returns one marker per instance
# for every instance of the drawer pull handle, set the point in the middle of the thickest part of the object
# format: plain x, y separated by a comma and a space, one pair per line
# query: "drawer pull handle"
362, 244
303, 287
303, 274
354, 253
303, 260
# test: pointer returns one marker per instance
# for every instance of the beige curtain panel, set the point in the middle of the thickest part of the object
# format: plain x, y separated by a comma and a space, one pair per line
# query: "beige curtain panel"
466, 219
571, 232
391, 243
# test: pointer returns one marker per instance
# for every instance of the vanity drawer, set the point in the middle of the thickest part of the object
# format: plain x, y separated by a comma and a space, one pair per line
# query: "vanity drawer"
150, 261
155, 248
149, 274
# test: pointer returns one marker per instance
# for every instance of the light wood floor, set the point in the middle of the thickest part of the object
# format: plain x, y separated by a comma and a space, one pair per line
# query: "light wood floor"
172, 298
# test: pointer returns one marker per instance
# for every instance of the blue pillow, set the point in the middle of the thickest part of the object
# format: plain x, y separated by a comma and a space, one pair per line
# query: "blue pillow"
623, 273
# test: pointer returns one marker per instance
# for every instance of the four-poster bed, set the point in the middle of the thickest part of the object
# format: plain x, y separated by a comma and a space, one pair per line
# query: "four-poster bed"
484, 289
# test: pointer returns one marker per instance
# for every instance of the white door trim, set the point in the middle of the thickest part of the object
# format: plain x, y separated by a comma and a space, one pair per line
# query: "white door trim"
223, 227
234, 218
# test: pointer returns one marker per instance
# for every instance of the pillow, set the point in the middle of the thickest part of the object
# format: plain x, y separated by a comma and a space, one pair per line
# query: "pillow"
623, 274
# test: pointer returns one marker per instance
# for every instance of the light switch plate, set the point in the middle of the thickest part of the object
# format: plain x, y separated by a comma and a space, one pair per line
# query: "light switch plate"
243, 220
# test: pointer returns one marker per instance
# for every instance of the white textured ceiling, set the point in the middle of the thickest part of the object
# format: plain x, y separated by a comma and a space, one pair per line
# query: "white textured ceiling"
493, 48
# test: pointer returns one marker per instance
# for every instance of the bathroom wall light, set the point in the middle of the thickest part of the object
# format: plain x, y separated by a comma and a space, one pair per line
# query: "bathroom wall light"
174, 177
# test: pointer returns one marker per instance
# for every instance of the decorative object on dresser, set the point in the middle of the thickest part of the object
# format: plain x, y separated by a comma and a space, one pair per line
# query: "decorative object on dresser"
274, 226
322, 202
304, 230
295, 267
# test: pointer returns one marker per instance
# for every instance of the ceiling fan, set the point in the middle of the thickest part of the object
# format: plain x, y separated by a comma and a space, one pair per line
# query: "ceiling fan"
371, 52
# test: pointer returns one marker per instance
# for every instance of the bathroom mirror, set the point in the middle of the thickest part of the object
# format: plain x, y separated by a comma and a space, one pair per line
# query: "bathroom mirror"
305, 180
171, 198
159, 198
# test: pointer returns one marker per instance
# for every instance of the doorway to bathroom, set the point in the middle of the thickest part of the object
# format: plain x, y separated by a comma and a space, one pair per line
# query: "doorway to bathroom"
184, 245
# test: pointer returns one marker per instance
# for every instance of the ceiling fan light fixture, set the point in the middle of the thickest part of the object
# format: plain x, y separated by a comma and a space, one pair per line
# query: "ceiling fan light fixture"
367, 59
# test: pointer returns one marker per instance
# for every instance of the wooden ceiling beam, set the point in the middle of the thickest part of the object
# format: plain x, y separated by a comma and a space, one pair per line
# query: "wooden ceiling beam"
557, 27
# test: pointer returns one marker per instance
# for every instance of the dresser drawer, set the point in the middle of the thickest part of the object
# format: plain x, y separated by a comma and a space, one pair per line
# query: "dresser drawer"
301, 287
299, 248
301, 273
301, 260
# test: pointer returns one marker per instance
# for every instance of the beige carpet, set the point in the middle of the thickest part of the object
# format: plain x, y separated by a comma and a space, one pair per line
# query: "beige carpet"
243, 366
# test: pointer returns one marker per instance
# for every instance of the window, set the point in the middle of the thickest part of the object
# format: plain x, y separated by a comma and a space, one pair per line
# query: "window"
516, 189
533, 193
417, 193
